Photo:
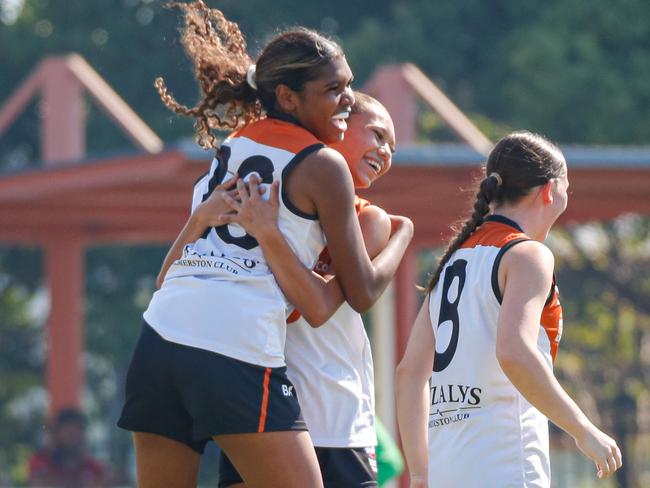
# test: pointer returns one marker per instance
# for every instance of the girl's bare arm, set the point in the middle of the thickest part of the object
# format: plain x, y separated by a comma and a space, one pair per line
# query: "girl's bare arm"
526, 273
314, 296
412, 396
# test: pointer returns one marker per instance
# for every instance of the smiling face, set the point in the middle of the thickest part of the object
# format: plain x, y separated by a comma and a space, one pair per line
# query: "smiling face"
323, 105
369, 144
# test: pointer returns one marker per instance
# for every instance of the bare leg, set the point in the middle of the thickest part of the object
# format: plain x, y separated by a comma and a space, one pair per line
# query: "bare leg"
164, 462
283, 459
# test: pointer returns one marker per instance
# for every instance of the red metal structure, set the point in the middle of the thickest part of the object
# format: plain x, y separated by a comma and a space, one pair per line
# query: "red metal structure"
72, 202
34, 209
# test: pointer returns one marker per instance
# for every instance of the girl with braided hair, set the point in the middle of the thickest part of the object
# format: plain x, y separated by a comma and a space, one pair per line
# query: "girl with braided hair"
479, 360
210, 363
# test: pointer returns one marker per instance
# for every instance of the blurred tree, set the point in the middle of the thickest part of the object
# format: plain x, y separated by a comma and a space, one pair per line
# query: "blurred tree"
587, 61
604, 279
22, 396
110, 35
120, 281
139, 34
497, 58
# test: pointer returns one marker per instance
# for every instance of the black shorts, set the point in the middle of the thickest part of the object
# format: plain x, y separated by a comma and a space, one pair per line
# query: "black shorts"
190, 394
352, 467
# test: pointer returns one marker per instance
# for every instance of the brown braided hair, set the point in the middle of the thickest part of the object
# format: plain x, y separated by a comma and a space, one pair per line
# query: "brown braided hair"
217, 49
516, 164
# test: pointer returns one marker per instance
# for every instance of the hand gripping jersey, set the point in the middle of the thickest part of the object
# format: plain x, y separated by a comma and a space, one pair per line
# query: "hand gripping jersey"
482, 431
331, 369
221, 295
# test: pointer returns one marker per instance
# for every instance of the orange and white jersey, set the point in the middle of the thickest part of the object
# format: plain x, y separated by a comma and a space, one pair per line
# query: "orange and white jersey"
482, 431
221, 295
331, 369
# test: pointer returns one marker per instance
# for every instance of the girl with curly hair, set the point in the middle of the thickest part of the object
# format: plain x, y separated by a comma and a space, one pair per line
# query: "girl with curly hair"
209, 363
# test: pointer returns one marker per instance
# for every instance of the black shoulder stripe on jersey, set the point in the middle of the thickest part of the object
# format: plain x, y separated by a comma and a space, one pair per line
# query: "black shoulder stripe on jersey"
550, 293
222, 157
495, 273
287, 171
203, 175
495, 267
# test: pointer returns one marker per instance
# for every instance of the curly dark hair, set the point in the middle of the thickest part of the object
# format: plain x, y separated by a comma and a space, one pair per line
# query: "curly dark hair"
217, 49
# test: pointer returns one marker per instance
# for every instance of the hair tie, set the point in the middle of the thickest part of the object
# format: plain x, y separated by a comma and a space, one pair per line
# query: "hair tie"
250, 77
498, 178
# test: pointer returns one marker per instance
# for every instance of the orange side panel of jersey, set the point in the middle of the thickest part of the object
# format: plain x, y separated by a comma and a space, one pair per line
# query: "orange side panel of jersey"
293, 316
278, 133
552, 321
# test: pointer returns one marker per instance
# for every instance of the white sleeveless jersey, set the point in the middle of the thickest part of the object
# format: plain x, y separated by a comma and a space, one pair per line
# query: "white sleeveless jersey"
221, 295
482, 431
332, 371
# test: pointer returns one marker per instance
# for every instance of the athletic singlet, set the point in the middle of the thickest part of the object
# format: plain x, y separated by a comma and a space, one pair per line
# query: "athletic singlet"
221, 295
331, 369
482, 431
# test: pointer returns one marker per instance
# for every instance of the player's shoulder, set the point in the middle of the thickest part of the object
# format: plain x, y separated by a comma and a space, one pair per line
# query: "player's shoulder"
326, 158
327, 169
531, 250
373, 214
323, 181
529, 256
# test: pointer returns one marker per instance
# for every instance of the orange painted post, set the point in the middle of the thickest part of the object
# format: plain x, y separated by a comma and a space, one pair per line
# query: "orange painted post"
64, 267
63, 138
63, 127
